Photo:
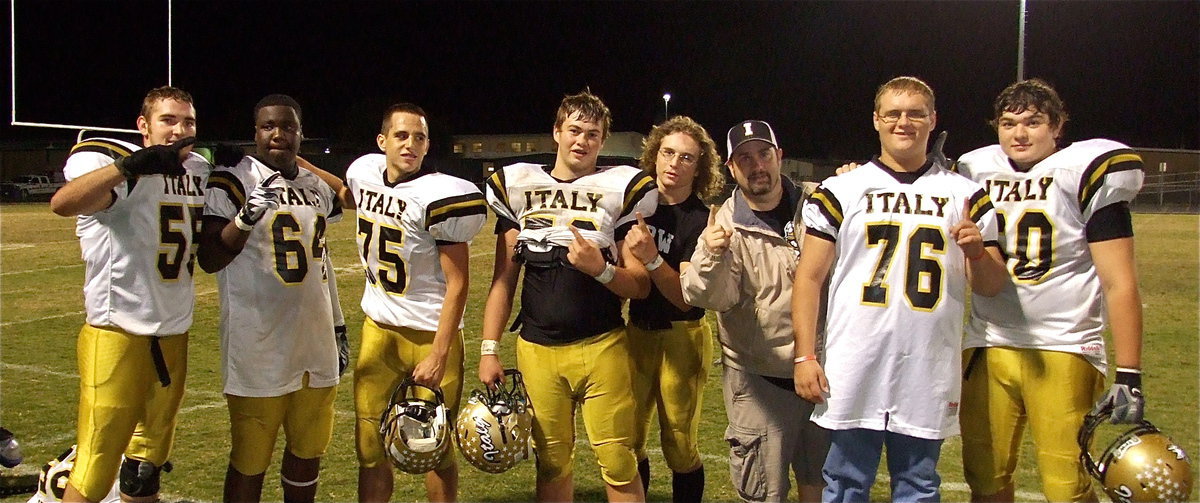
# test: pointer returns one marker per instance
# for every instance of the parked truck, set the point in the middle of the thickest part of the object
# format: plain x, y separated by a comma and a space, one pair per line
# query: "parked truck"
27, 187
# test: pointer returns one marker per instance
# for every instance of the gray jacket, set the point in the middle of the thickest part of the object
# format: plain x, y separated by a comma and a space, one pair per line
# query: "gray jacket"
749, 285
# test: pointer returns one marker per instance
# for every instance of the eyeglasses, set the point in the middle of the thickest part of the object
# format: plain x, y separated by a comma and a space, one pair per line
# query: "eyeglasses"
670, 154
893, 116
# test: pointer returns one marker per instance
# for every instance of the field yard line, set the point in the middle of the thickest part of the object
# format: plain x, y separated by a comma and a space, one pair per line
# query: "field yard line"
43, 269
39, 370
203, 406
44, 318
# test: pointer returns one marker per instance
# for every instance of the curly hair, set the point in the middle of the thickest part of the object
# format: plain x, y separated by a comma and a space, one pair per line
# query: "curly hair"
710, 177
1031, 94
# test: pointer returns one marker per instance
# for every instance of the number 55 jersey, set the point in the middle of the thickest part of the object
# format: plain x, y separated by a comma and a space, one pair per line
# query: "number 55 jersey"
140, 251
276, 323
1047, 215
400, 226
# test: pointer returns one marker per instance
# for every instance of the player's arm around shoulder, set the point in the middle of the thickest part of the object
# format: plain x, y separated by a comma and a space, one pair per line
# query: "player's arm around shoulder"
498, 306
713, 280
340, 188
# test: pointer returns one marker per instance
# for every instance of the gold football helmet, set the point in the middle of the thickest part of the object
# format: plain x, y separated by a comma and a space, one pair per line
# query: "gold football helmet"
1141, 465
416, 432
494, 426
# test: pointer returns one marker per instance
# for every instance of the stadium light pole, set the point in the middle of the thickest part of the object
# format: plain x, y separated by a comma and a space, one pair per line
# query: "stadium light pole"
666, 106
1021, 43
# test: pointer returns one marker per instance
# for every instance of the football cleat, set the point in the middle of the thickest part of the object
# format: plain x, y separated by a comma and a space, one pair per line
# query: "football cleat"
1141, 465
494, 426
416, 431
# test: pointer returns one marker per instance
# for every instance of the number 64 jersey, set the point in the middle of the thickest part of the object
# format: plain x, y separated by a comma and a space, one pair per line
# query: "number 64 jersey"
1055, 303
400, 226
896, 297
276, 321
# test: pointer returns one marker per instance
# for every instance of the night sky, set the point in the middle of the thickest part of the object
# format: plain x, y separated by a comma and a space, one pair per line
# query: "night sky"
1129, 71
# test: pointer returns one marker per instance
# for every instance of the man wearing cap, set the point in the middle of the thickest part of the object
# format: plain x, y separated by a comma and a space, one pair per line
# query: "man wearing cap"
742, 269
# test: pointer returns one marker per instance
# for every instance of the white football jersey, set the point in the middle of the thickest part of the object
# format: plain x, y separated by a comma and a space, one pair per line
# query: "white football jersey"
897, 294
399, 228
139, 253
276, 319
1055, 302
597, 204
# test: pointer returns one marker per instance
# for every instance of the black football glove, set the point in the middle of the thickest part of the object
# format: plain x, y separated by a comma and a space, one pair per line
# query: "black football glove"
260, 200
936, 154
343, 346
1124, 398
227, 154
155, 160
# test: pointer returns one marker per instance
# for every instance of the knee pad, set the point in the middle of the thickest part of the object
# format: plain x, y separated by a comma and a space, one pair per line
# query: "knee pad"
141, 478
618, 465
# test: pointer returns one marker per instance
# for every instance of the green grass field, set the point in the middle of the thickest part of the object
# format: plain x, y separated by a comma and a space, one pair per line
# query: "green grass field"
41, 310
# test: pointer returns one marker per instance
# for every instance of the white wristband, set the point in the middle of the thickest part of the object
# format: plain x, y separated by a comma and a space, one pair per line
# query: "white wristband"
653, 264
607, 275
488, 347
237, 221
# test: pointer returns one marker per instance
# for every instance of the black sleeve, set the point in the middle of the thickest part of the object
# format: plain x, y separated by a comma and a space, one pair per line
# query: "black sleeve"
1110, 222
504, 225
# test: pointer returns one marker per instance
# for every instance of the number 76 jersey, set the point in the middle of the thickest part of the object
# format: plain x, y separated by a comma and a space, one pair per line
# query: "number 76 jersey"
896, 297
400, 226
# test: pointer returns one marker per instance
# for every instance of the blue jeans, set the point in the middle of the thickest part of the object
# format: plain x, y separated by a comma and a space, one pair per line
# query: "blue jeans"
853, 461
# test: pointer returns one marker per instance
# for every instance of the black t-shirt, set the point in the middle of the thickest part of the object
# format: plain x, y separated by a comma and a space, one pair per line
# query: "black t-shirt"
560, 304
676, 229
778, 218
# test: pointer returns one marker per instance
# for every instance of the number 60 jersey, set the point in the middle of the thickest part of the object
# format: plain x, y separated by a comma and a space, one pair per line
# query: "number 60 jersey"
400, 226
1046, 215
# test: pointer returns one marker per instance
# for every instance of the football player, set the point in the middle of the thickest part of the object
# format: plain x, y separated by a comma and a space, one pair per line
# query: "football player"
414, 229
137, 209
1068, 237
670, 342
742, 269
905, 237
263, 235
565, 224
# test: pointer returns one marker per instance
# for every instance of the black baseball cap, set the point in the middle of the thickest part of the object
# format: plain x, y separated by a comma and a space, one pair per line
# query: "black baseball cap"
749, 130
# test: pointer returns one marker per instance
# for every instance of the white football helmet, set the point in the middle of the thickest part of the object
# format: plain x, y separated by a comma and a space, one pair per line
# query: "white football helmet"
416, 431
494, 426
1141, 465
52, 483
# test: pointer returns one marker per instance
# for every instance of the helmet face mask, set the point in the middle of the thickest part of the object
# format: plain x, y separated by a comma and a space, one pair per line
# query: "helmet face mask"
1142, 464
415, 431
494, 426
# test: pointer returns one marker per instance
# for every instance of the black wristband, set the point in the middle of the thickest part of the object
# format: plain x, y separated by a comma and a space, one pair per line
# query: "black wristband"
1131, 379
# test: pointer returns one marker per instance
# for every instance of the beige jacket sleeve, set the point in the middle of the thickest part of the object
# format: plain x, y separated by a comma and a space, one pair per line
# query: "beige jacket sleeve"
714, 281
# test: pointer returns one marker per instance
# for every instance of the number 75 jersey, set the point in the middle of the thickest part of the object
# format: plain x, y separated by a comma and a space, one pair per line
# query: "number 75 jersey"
1055, 303
400, 226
